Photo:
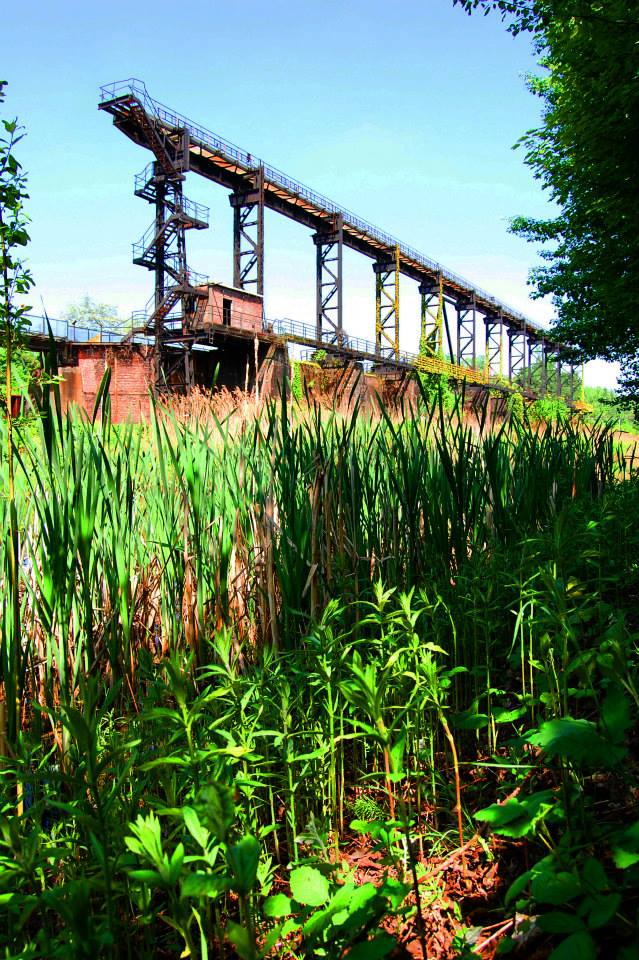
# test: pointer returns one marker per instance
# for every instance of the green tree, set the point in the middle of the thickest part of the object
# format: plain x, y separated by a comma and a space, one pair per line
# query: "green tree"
585, 156
15, 283
87, 313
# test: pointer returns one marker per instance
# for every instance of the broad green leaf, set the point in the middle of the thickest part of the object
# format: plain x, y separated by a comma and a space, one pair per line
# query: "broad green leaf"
559, 922
309, 886
243, 859
375, 949
277, 906
151, 877
576, 741
578, 946
626, 847
239, 937
204, 885
397, 755
504, 715
603, 910
518, 817
469, 720
594, 875
215, 808
615, 713
555, 888
192, 822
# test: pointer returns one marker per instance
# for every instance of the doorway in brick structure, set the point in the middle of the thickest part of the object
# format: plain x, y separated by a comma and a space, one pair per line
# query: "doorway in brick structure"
226, 312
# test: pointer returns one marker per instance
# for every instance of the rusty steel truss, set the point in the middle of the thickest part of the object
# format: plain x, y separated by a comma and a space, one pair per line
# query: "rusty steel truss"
453, 310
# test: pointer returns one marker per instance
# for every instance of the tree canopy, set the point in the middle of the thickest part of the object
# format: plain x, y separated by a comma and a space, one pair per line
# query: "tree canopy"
87, 313
585, 155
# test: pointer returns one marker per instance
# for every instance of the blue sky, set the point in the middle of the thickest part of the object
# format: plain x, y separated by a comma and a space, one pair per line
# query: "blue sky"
404, 113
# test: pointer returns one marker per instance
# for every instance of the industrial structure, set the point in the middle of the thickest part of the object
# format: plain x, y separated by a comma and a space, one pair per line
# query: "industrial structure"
177, 319
452, 309
190, 325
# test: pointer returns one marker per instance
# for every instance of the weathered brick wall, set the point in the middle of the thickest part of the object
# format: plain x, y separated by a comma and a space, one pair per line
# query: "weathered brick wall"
246, 308
131, 377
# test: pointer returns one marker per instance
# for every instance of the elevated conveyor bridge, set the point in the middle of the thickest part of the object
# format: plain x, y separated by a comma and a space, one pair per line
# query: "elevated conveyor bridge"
452, 308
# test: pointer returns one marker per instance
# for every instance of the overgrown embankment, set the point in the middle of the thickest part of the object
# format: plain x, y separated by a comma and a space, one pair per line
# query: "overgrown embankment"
254, 658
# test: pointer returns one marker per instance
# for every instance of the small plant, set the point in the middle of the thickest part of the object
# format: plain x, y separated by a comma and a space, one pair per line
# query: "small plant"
334, 917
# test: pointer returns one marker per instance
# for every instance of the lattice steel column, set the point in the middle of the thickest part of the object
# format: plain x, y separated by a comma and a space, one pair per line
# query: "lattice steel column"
328, 310
517, 345
494, 358
535, 357
558, 378
466, 333
387, 306
160, 216
543, 380
432, 318
248, 233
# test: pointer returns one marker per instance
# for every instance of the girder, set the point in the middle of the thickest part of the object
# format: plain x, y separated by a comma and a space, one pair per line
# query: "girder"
222, 162
517, 356
387, 305
431, 340
247, 201
163, 250
467, 333
328, 299
537, 364
494, 355
179, 145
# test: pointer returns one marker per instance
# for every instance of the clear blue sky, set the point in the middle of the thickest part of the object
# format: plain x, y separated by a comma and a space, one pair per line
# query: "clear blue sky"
404, 113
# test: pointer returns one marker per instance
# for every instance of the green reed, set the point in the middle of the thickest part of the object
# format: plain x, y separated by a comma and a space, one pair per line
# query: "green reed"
324, 613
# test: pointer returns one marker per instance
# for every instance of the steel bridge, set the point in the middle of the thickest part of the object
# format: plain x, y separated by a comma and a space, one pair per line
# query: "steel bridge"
452, 308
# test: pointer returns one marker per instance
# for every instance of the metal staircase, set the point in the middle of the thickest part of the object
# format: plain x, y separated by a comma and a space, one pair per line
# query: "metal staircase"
174, 314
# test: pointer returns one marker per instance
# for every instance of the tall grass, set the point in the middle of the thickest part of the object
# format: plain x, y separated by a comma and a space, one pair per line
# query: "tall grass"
157, 537
329, 611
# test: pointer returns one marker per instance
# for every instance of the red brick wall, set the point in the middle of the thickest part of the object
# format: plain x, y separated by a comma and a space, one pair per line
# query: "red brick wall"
131, 379
246, 308
131, 376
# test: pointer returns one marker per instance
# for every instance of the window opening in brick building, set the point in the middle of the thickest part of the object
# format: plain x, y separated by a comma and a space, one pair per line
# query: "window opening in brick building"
226, 312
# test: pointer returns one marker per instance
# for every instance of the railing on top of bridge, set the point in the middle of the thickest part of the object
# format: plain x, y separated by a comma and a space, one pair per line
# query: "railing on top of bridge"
211, 140
75, 333
296, 330
284, 327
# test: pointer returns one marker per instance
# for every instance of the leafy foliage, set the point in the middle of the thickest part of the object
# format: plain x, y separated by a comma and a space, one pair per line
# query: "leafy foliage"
584, 155
230, 637
87, 313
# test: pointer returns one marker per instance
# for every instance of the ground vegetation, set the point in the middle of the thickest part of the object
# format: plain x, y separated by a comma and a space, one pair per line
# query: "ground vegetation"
315, 685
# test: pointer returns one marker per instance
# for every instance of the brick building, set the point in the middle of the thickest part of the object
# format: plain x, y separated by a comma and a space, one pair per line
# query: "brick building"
235, 349
233, 308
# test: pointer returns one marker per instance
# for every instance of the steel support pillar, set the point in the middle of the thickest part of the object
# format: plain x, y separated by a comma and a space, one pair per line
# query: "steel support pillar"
248, 233
558, 378
387, 306
432, 318
328, 299
162, 249
517, 346
535, 364
543, 372
466, 333
160, 216
494, 357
